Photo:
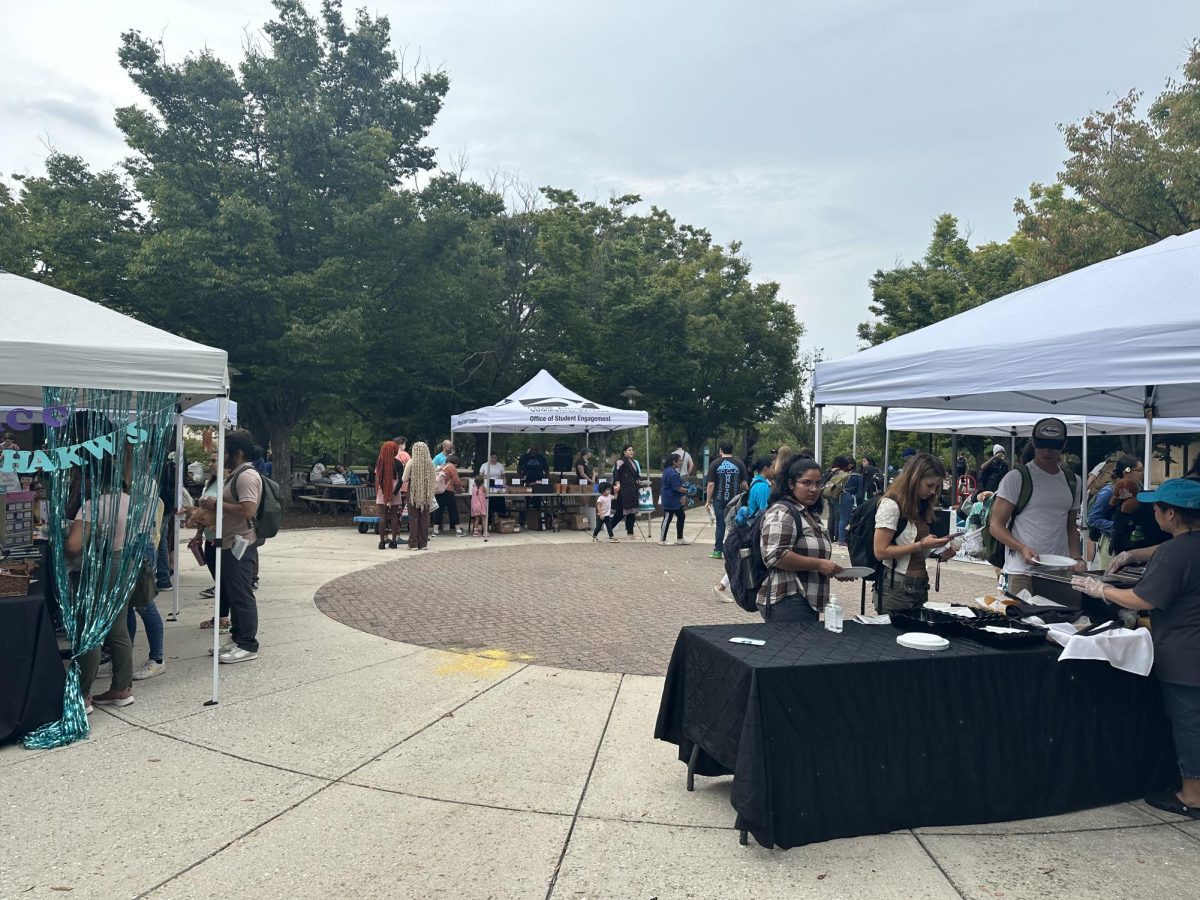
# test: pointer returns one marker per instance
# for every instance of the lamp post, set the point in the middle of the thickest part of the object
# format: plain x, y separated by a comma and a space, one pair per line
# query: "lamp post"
631, 394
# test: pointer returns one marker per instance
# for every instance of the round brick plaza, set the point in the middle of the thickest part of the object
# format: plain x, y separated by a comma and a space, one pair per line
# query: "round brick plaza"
598, 607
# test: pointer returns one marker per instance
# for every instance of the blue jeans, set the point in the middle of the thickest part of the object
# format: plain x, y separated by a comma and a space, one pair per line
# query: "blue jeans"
162, 564
1182, 704
845, 511
154, 628
719, 528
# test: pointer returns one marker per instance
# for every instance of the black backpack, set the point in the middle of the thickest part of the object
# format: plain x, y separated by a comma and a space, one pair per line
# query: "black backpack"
860, 534
744, 564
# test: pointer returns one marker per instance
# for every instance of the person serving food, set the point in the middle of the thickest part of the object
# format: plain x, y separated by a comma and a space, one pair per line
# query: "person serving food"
1170, 590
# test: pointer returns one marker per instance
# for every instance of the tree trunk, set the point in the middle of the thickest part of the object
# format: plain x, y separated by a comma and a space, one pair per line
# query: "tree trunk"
281, 457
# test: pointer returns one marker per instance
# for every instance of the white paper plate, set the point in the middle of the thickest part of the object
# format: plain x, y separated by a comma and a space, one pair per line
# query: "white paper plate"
919, 640
1050, 561
857, 572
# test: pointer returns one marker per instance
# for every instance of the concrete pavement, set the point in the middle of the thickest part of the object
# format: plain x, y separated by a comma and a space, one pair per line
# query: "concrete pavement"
344, 764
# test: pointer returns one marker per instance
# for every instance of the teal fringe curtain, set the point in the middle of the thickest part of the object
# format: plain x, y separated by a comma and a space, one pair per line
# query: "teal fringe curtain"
124, 437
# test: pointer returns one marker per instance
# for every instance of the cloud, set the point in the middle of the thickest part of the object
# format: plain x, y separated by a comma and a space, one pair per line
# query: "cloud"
83, 115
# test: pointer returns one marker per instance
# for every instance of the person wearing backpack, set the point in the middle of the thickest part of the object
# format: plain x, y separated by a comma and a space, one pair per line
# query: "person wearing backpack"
796, 549
902, 540
239, 517
1036, 508
832, 490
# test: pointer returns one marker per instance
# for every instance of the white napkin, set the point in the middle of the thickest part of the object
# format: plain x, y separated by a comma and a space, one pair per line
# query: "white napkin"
950, 609
1130, 650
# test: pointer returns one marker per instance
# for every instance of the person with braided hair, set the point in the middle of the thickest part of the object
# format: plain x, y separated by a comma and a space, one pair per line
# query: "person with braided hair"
419, 475
387, 495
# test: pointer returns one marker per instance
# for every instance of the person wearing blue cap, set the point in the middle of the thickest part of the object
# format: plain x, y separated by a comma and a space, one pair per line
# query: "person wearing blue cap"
1170, 590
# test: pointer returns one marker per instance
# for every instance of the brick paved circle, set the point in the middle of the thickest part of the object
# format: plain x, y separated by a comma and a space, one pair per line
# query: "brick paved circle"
597, 607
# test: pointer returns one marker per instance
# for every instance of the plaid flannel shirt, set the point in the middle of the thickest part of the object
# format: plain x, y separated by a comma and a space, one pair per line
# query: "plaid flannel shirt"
778, 537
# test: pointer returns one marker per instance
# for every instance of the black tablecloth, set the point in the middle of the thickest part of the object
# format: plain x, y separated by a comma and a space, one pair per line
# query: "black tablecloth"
839, 735
31, 669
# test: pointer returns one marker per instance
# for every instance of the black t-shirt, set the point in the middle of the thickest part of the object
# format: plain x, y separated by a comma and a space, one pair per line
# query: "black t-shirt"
536, 468
990, 480
727, 475
1172, 586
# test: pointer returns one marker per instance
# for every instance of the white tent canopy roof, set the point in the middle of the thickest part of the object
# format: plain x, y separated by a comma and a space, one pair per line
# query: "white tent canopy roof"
1004, 424
1095, 342
544, 405
49, 337
209, 413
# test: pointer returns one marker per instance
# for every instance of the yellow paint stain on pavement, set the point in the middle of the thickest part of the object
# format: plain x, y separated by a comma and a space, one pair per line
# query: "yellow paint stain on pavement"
477, 662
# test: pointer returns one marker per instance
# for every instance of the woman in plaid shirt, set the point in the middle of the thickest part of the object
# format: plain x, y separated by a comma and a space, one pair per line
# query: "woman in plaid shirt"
796, 548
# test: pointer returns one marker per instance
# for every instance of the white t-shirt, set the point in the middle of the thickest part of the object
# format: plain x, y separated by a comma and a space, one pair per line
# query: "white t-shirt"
887, 515
1043, 523
492, 472
686, 466
104, 516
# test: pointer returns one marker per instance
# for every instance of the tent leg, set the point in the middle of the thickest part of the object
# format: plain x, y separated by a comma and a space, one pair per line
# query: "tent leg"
887, 445
487, 519
223, 405
179, 469
1149, 448
1083, 510
1012, 452
854, 438
817, 433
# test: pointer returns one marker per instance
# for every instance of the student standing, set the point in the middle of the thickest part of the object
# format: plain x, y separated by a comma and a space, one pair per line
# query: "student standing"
672, 492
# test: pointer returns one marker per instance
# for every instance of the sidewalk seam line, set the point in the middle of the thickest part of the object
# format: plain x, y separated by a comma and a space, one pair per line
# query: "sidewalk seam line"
933, 859
583, 794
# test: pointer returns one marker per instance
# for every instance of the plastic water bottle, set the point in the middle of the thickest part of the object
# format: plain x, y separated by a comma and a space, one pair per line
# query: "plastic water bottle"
833, 616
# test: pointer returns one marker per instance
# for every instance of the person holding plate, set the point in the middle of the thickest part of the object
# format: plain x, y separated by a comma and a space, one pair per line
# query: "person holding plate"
1170, 591
903, 537
796, 548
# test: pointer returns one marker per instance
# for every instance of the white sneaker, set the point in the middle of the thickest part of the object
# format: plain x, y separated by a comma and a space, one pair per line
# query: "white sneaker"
682, 543
149, 669
237, 655
458, 531
224, 648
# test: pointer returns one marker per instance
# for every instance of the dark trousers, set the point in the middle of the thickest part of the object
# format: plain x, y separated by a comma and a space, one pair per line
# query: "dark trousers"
719, 527
606, 522
237, 583
630, 518
447, 500
418, 527
668, 515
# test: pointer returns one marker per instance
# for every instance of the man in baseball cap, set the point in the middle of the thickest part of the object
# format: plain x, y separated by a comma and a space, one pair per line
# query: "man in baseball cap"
993, 470
1036, 507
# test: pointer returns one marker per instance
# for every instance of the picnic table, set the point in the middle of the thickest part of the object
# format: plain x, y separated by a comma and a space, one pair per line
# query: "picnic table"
331, 498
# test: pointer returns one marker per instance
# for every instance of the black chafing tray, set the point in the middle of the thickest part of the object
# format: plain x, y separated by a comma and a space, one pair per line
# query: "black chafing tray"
976, 631
934, 621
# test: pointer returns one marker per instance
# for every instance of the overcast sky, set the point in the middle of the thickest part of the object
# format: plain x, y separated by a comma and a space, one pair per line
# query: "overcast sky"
826, 135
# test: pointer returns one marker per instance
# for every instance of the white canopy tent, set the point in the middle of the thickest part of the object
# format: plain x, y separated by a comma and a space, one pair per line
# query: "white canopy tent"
53, 338
543, 405
1120, 338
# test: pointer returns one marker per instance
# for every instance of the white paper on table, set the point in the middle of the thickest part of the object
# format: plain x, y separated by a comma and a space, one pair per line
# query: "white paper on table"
1130, 650
884, 619
1036, 600
1000, 629
962, 612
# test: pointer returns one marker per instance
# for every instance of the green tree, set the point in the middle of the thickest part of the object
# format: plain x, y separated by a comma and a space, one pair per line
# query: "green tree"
82, 229
951, 278
1129, 180
14, 241
263, 183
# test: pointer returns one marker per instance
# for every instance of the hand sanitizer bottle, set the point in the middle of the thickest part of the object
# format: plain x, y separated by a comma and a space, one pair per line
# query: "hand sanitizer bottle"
833, 616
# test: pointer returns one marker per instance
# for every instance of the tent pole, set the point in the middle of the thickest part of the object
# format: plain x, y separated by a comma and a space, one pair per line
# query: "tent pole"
179, 467
817, 433
887, 445
954, 468
1012, 453
854, 438
1148, 450
223, 413
487, 519
1083, 510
